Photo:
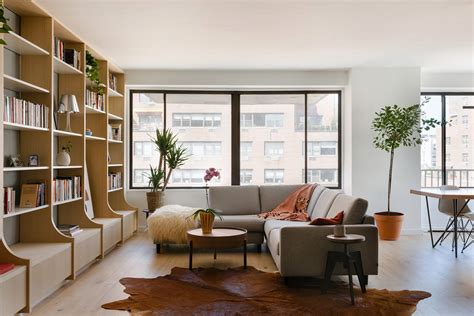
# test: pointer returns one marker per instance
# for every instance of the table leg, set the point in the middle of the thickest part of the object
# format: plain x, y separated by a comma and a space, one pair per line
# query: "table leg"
330, 264
429, 221
215, 254
245, 254
455, 207
191, 255
348, 262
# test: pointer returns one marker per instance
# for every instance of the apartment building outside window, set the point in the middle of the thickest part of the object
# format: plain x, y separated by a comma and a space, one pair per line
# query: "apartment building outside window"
270, 126
327, 177
447, 150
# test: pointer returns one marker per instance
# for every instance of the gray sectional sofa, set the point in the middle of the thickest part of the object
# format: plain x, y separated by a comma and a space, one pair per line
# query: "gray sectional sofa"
298, 249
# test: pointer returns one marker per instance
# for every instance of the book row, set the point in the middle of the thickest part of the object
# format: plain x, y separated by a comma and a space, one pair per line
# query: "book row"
32, 195
25, 112
68, 55
8, 200
95, 100
113, 83
66, 188
115, 180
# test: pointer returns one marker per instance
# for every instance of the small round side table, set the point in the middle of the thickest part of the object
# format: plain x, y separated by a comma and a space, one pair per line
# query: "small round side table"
348, 259
147, 212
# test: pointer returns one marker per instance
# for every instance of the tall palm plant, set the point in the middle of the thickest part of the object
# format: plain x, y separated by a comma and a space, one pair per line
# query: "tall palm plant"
164, 142
175, 158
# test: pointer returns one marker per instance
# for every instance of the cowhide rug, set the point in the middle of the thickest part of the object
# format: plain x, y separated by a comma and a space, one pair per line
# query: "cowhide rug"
250, 292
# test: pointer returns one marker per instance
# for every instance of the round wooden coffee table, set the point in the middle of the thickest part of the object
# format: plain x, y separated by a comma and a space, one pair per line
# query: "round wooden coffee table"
219, 238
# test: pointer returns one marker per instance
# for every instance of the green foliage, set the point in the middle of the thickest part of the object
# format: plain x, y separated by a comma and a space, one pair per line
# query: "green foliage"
4, 28
164, 141
155, 178
93, 73
67, 147
176, 157
397, 126
208, 211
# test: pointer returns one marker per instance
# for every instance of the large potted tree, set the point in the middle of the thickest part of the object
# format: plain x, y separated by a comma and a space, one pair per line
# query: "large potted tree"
171, 157
397, 126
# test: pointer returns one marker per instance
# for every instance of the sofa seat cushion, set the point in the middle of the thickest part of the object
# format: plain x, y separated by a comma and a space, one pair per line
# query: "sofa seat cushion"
274, 224
252, 223
235, 200
354, 209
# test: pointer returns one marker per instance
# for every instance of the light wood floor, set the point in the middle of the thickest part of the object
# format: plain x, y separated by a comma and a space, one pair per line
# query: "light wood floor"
409, 263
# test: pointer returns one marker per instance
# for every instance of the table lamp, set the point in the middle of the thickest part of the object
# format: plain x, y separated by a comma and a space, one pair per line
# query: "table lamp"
68, 105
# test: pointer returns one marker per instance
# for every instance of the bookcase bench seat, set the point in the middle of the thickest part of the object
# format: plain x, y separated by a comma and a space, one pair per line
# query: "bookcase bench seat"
129, 222
86, 247
50, 265
13, 291
112, 230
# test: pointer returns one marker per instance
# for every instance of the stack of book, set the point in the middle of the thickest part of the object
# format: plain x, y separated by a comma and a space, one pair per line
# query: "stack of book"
24, 112
115, 180
66, 188
8, 200
68, 55
32, 195
95, 100
69, 230
112, 81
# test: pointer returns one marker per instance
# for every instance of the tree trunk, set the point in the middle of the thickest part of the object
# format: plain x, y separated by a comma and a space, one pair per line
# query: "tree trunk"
168, 176
390, 179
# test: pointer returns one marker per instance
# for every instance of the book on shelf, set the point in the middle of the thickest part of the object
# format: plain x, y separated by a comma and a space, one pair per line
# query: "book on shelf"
115, 132
66, 188
8, 200
5, 267
70, 56
32, 195
95, 100
24, 112
113, 81
115, 180
69, 230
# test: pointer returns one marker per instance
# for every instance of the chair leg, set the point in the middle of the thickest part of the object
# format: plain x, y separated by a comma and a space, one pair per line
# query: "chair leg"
158, 248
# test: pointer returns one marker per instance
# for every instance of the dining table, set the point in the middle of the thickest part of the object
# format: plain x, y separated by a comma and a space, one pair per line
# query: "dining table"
463, 194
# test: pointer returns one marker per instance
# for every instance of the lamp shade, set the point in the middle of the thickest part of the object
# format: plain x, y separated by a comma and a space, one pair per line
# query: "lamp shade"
68, 104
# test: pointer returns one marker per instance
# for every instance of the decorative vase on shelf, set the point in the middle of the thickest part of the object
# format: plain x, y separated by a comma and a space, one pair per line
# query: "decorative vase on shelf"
63, 158
207, 222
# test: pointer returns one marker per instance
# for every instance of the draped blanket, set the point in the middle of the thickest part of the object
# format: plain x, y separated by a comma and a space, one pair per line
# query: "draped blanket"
294, 207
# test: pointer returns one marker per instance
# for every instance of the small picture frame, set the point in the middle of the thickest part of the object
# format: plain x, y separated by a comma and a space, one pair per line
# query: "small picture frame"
15, 161
33, 161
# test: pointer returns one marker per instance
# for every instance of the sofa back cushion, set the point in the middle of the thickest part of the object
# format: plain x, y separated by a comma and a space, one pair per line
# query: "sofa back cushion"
323, 204
272, 195
314, 198
354, 209
235, 200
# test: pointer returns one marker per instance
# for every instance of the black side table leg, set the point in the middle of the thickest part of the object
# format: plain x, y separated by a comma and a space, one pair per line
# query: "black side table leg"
245, 254
191, 255
348, 262
330, 264
356, 256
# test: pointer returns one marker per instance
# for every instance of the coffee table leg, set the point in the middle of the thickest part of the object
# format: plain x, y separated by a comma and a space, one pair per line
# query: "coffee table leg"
191, 255
215, 254
245, 254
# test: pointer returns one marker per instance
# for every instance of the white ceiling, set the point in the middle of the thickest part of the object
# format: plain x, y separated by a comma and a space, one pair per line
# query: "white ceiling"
437, 35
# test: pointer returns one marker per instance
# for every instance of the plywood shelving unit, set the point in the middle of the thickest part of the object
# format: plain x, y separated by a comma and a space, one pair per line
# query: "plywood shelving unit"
38, 244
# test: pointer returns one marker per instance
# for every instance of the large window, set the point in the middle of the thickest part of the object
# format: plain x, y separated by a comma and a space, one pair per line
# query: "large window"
447, 151
251, 137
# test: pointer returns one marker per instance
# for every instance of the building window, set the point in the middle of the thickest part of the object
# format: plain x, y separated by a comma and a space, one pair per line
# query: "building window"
443, 152
246, 176
140, 177
274, 176
327, 177
273, 149
196, 119
271, 127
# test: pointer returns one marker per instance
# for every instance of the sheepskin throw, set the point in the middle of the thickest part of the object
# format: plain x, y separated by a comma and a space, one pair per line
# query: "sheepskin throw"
169, 224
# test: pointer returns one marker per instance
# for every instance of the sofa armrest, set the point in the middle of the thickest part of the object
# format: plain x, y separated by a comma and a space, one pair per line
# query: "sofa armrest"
368, 219
303, 249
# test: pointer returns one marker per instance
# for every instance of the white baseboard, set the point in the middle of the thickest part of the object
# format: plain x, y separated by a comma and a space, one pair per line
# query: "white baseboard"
416, 231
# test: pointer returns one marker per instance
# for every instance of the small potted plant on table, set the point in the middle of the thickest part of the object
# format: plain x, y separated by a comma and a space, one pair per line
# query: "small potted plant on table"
207, 216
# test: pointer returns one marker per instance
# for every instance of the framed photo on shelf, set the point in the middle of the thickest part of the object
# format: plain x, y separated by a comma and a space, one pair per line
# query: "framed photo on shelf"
15, 161
33, 161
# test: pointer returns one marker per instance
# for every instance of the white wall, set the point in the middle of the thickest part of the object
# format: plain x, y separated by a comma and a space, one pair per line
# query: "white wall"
371, 89
447, 81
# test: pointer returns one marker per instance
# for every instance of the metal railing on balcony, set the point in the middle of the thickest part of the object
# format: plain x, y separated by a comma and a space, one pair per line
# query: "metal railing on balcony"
432, 178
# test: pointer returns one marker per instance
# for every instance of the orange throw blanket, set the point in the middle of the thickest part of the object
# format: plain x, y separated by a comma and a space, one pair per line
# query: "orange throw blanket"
294, 207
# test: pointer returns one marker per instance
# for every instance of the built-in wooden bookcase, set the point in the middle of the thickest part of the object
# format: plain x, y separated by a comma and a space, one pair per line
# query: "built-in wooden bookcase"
29, 237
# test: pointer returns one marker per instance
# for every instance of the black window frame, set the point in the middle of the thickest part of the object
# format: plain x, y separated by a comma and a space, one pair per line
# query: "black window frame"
235, 127
444, 137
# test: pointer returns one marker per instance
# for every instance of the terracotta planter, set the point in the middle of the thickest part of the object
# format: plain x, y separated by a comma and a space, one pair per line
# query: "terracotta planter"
389, 224
207, 221
154, 200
